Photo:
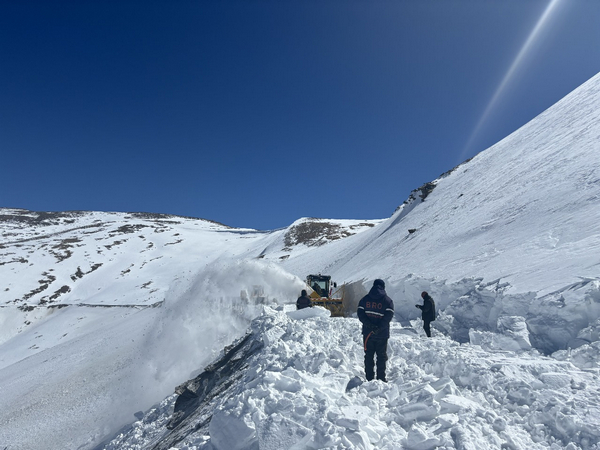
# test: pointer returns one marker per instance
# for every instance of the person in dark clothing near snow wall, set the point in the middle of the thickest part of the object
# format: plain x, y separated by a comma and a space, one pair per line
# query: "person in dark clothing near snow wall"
375, 311
303, 301
428, 312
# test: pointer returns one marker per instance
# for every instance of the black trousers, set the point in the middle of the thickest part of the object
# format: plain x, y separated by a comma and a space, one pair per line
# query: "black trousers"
426, 327
375, 347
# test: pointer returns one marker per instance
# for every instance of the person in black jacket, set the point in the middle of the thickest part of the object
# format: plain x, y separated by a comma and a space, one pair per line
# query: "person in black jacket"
303, 301
428, 312
375, 311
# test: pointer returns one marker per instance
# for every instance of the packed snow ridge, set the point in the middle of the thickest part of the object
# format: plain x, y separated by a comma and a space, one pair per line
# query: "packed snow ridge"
137, 331
295, 386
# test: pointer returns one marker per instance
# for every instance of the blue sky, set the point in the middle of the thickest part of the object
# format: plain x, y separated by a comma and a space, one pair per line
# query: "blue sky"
256, 113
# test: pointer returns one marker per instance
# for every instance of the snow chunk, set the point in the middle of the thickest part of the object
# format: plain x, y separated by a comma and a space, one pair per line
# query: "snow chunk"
419, 439
512, 335
228, 432
278, 432
455, 403
272, 335
308, 313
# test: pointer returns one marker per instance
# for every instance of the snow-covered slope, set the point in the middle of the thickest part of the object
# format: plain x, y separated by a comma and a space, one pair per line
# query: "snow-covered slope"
103, 314
526, 210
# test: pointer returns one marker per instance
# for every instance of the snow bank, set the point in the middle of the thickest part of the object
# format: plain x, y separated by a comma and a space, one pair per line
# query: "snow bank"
307, 313
491, 314
440, 394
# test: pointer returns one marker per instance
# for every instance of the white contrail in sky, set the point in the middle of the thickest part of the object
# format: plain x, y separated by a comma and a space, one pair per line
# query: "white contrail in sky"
539, 26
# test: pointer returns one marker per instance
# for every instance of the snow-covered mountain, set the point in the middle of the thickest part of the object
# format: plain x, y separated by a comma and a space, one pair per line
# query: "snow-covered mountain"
533, 197
103, 315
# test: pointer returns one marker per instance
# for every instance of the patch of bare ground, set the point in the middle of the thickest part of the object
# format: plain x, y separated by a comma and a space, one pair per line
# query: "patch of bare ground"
315, 233
44, 284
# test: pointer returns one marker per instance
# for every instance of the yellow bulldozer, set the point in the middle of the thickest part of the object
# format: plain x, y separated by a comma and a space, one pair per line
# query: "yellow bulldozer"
323, 292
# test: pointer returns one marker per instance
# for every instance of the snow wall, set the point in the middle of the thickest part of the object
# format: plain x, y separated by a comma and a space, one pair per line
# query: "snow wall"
471, 310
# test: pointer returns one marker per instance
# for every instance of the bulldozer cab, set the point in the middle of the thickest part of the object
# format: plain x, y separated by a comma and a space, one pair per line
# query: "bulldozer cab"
320, 284
321, 294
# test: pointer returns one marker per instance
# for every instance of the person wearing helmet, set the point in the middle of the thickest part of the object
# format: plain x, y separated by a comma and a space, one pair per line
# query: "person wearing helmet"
375, 311
427, 312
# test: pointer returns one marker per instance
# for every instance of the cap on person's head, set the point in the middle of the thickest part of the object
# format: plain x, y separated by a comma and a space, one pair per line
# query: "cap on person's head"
424, 294
303, 292
379, 283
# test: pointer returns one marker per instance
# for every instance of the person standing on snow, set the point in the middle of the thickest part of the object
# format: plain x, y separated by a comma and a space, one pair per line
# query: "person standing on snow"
375, 311
428, 312
303, 301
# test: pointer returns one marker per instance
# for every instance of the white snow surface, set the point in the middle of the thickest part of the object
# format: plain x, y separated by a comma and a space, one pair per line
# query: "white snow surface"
102, 315
440, 394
